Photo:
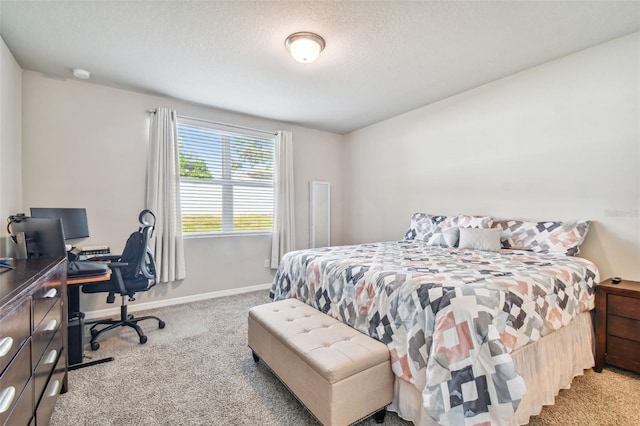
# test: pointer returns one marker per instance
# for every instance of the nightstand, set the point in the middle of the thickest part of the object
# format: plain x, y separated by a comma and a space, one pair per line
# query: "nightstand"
618, 325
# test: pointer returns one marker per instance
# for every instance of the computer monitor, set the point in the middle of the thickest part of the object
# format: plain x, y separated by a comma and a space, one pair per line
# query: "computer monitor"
43, 237
74, 221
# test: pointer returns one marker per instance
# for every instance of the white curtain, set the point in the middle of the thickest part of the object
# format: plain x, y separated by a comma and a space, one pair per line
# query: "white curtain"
163, 195
284, 235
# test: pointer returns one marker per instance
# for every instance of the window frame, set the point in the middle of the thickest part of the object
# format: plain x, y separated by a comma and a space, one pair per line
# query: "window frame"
228, 182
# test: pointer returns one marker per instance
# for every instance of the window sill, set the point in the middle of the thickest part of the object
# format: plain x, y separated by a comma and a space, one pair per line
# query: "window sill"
194, 235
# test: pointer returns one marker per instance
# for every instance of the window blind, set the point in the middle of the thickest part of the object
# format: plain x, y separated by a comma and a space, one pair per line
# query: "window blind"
226, 180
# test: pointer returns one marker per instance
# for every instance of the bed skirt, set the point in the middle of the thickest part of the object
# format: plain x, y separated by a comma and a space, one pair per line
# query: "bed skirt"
544, 368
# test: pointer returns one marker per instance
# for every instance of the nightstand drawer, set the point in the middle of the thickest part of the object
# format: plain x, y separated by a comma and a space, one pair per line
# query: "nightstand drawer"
623, 327
623, 349
622, 306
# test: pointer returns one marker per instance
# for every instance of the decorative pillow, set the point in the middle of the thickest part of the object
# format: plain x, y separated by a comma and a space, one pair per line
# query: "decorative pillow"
421, 227
543, 237
465, 221
447, 237
480, 239
444, 222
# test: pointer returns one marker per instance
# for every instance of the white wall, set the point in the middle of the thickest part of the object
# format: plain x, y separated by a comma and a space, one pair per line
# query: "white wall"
84, 146
557, 142
10, 142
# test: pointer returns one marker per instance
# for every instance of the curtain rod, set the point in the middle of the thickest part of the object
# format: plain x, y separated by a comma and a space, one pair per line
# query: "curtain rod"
153, 111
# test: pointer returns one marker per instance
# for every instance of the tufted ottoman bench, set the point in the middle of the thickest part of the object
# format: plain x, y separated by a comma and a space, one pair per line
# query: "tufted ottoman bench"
338, 373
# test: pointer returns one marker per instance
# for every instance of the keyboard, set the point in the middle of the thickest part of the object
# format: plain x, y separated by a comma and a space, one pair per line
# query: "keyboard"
86, 269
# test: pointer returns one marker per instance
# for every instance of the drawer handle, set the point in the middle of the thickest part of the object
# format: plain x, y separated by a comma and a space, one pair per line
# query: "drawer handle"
50, 294
51, 358
6, 398
5, 346
51, 325
55, 389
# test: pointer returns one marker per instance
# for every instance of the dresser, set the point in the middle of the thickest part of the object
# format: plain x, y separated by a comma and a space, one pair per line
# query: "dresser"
618, 325
33, 339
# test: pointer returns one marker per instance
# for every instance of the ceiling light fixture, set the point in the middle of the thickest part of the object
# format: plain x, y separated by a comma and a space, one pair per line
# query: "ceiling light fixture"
81, 74
304, 46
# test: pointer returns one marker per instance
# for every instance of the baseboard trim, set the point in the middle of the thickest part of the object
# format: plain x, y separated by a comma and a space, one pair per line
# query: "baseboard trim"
109, 312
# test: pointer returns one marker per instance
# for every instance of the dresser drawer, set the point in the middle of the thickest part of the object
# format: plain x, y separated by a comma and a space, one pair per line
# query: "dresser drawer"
623, 327
628, 307
22, 414
15, 328
13, 381
51, 393
49, 293
45, 366
45, 332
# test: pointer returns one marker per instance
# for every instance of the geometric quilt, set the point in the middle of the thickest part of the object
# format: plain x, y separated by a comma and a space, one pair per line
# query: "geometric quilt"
450, 317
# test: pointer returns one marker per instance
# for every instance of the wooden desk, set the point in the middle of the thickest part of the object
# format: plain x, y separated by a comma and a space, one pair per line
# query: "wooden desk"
73, 288
87, 280
73, 293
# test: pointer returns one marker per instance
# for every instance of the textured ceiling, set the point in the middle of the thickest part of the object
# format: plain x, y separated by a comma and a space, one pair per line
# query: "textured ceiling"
382, 58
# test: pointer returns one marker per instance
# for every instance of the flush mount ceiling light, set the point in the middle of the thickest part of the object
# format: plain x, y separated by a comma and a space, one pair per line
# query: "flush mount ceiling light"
81, 74
304, 46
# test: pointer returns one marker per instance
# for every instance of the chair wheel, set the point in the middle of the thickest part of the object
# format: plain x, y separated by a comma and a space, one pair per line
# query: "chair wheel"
95, 346
161, 324
143, 340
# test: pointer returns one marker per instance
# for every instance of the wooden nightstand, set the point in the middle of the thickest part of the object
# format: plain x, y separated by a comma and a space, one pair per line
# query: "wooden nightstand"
618, 325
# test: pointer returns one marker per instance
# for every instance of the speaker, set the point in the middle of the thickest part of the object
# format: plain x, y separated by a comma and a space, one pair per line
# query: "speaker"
76, 337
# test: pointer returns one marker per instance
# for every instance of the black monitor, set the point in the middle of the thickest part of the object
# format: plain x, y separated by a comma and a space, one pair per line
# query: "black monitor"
43, 237
74, 221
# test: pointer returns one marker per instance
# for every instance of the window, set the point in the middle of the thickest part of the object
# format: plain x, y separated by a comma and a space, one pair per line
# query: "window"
226, 179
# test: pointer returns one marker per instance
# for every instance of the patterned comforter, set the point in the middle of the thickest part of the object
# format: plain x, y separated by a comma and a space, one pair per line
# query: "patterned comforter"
450, 317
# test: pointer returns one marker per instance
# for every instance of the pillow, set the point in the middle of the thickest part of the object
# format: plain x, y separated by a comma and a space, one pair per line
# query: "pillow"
543, 237
445, 237
465, 221
421, 227
480, 239
444, 222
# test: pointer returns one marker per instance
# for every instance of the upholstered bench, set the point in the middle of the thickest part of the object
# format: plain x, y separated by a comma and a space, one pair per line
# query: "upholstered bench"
338, 373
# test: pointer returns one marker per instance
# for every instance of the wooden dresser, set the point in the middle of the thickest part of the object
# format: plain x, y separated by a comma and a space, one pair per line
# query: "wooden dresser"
618, 325
33, 338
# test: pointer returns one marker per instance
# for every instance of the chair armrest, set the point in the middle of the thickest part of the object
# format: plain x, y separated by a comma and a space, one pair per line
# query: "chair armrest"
116, 268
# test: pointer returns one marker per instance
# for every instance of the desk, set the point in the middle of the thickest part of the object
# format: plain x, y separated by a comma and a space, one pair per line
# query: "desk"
73, 293
73, 288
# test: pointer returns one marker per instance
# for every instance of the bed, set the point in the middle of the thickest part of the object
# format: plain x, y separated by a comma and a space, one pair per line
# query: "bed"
472, 309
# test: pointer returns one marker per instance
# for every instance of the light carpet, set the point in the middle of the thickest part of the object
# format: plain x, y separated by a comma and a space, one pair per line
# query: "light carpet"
199, 371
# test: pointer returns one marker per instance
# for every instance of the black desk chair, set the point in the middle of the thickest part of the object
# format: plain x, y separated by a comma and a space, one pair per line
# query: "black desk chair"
131, 272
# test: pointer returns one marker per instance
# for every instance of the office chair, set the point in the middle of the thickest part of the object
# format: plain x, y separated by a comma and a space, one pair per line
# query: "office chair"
131, 272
